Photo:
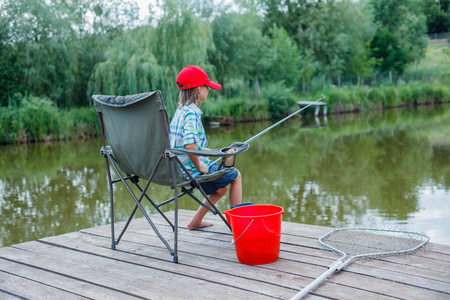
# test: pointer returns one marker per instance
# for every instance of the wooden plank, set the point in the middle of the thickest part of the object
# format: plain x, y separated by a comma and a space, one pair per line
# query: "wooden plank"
311, 103
439, 252
309, 239
47, 280
16, 287
201, 257
291, 268
122, 275
402, 275
213, 261
82, 264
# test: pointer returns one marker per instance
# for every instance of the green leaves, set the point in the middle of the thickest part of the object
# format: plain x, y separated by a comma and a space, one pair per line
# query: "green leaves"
69, 50
400, 36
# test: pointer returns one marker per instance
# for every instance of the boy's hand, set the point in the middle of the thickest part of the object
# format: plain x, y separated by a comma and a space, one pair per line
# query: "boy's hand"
203, 169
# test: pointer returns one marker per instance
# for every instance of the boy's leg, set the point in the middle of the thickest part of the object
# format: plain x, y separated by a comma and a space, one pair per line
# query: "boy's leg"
235, 199
197, 220
236, 191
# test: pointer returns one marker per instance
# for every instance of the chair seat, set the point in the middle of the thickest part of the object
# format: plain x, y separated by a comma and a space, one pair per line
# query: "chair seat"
180, 182
208, 176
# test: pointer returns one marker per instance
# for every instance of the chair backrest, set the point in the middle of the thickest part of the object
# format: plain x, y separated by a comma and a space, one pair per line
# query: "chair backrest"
137, 129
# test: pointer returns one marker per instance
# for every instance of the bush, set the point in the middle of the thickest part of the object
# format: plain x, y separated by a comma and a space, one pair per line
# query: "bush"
40, 118
11, 125
241, 109
279, 99
81, 122
391, 97
375, 99
338, 100
37, 119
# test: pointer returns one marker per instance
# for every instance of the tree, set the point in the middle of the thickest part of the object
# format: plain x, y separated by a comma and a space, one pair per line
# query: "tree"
284, 62
38, 39
332, 36
337, 36
240, 54
9, 70
147, 58
437, 15
50, 46
400, 35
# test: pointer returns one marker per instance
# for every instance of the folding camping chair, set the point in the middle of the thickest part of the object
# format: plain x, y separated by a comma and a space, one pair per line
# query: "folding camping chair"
135, 138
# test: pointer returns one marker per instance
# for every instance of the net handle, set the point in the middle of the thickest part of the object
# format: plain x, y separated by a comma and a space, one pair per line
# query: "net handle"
335, 267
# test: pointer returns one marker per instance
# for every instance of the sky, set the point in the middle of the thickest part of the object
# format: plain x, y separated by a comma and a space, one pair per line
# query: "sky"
143, 5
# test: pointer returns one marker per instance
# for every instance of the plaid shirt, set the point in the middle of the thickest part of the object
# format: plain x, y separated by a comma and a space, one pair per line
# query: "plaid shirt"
187, 128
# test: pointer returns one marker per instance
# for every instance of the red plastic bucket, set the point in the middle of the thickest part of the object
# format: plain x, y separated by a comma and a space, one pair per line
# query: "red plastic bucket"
256, 233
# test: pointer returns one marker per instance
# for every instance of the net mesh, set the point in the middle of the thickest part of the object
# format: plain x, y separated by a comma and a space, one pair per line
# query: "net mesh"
372, 242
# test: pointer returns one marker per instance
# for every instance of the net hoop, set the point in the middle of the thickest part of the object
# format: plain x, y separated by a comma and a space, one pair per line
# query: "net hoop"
425, 239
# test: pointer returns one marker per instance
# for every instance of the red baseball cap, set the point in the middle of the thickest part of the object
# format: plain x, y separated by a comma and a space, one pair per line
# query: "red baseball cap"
192, 77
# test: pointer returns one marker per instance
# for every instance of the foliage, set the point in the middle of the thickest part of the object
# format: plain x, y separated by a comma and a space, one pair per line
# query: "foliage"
333, 36
241, 109
437, 15
147, 58
399, 38
240, 49
37, 119
52, 46
364, 98
340, 100
261, 51
286, 63
279, 99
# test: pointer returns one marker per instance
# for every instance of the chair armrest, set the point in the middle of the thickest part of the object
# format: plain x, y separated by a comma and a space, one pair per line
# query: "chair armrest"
238, 147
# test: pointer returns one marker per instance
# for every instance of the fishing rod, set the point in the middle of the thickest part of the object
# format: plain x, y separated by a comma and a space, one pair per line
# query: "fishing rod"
271, 127
281, 121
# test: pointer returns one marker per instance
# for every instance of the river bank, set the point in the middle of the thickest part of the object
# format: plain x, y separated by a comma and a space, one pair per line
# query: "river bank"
34, 119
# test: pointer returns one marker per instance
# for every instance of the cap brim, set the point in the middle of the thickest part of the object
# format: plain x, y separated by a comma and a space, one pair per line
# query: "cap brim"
214, 85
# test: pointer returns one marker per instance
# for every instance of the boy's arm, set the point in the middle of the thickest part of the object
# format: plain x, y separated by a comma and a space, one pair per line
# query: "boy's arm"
201, 168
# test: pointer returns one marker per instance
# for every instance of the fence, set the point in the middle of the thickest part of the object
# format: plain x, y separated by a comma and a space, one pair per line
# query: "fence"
386, 78
436, 36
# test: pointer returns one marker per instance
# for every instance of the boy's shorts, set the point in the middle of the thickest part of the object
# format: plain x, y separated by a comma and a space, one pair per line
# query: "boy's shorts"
212, 186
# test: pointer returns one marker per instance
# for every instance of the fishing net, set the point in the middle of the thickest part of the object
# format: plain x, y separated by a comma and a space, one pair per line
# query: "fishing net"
364, 242
371, 242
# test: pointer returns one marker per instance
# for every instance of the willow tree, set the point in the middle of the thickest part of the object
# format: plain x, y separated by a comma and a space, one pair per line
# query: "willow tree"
148, 58
39, 35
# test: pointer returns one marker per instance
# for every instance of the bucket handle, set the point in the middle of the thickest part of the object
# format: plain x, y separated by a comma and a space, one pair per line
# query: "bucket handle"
234, 241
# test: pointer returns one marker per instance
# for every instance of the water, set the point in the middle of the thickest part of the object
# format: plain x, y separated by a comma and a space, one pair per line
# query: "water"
391, 167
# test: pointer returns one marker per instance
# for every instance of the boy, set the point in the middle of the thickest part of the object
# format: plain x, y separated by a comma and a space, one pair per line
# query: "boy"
186, 131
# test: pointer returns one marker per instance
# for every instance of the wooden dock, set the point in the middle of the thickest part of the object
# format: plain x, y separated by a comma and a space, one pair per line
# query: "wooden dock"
316, 105
81, 265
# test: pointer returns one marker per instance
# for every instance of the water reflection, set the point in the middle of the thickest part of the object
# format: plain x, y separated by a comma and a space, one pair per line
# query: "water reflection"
394, 165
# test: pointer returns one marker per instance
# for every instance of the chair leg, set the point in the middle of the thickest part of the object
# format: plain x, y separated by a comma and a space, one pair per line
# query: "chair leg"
154, 205
175, 229
111, 203
138, 202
